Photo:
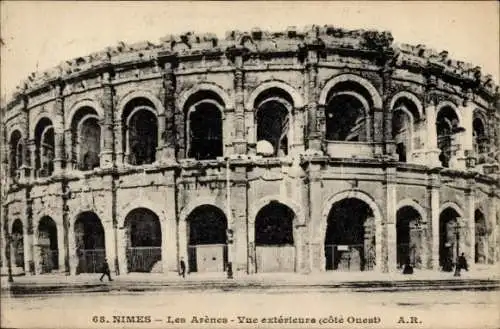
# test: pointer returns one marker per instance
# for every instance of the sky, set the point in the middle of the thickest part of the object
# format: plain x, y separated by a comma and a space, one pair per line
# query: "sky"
39, 35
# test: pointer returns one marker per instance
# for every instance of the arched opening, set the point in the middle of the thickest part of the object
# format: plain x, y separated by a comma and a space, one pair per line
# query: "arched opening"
273, 108
47, 245
448, 238
86, 139
204, 126
143, 231
350, 236
347, 113
405, 119
89, 240
16, 153
480, 140
18, 245
408, 237
275, 251
140, 135
207, 234
44, 141
481, 245
447, 126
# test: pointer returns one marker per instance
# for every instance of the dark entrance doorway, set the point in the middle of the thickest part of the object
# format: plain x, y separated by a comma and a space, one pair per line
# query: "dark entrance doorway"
350, 236
481, 245
89, 239
47, 245
143, 231
207, 249
18, 244
275, 251
448, 225
408, 237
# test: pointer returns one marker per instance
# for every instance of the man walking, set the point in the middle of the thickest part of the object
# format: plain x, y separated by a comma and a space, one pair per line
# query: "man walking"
105, 271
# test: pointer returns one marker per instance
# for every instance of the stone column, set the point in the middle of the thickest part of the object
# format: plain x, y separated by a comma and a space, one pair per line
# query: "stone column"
316, 238
297, 146
391, 242
72, 256
469, 241
378, 133
32, 147
239, 220
251, 132
239, 143
58, 131
106, 160
122, 250
169, 85
431, 143
61, 250
434, 220
311, 87
37, 254
182, 239
28, 249
169, 246
70, 162
109, 243
252, 260
119, 147
160, 156
492, 227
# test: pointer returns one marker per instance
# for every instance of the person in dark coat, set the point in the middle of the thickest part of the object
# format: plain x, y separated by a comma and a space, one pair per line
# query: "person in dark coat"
183, 268
407, 268
462, 262
105, 271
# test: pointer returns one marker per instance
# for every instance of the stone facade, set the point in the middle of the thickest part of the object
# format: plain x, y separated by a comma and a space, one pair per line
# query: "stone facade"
108, 156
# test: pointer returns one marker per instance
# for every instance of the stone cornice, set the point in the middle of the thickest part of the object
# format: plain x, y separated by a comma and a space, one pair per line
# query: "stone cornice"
377, 46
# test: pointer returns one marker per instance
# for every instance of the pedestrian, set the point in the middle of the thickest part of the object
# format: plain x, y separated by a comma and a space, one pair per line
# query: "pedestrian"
462, 263
183, 268
105, 271
407, 268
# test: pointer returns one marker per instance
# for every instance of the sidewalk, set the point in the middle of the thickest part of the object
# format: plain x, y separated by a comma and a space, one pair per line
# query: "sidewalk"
487, 276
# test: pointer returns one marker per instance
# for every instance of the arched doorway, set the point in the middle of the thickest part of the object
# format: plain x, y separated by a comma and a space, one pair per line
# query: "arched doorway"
447, 126
45, 148
207, 250
481, 245
143, 231
408, 237
89, 240
274, 245
18, 244
350, 236
47, 245
448, 229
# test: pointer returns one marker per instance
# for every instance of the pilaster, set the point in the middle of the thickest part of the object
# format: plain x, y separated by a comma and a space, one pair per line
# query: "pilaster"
106, 160
431, 146
316, 248
390, 225
311, 87
58, 130
434, 219
239, 142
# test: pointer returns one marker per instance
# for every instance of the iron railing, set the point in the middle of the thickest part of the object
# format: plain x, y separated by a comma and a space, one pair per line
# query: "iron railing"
91, 260
142, 259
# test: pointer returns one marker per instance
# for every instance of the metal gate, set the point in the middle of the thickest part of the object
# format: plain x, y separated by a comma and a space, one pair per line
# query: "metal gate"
50, 260
349, 257
91, 260
275, 259
207, 258
142, 259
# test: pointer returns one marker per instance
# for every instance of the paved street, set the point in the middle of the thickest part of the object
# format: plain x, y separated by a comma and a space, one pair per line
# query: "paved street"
432, 309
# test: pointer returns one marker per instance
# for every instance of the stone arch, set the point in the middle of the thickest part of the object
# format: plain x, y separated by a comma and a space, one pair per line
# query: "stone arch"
452, 205
140, 203
158, 105
298, 100
206, 86
16, 126
81, 104
376, 99
46, 235
378, 219
415, 205
444, 104
410, 96
201, 201
262, 202
39, 117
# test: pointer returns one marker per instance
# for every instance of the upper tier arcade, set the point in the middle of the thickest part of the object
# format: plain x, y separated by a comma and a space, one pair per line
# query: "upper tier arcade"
321, 90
